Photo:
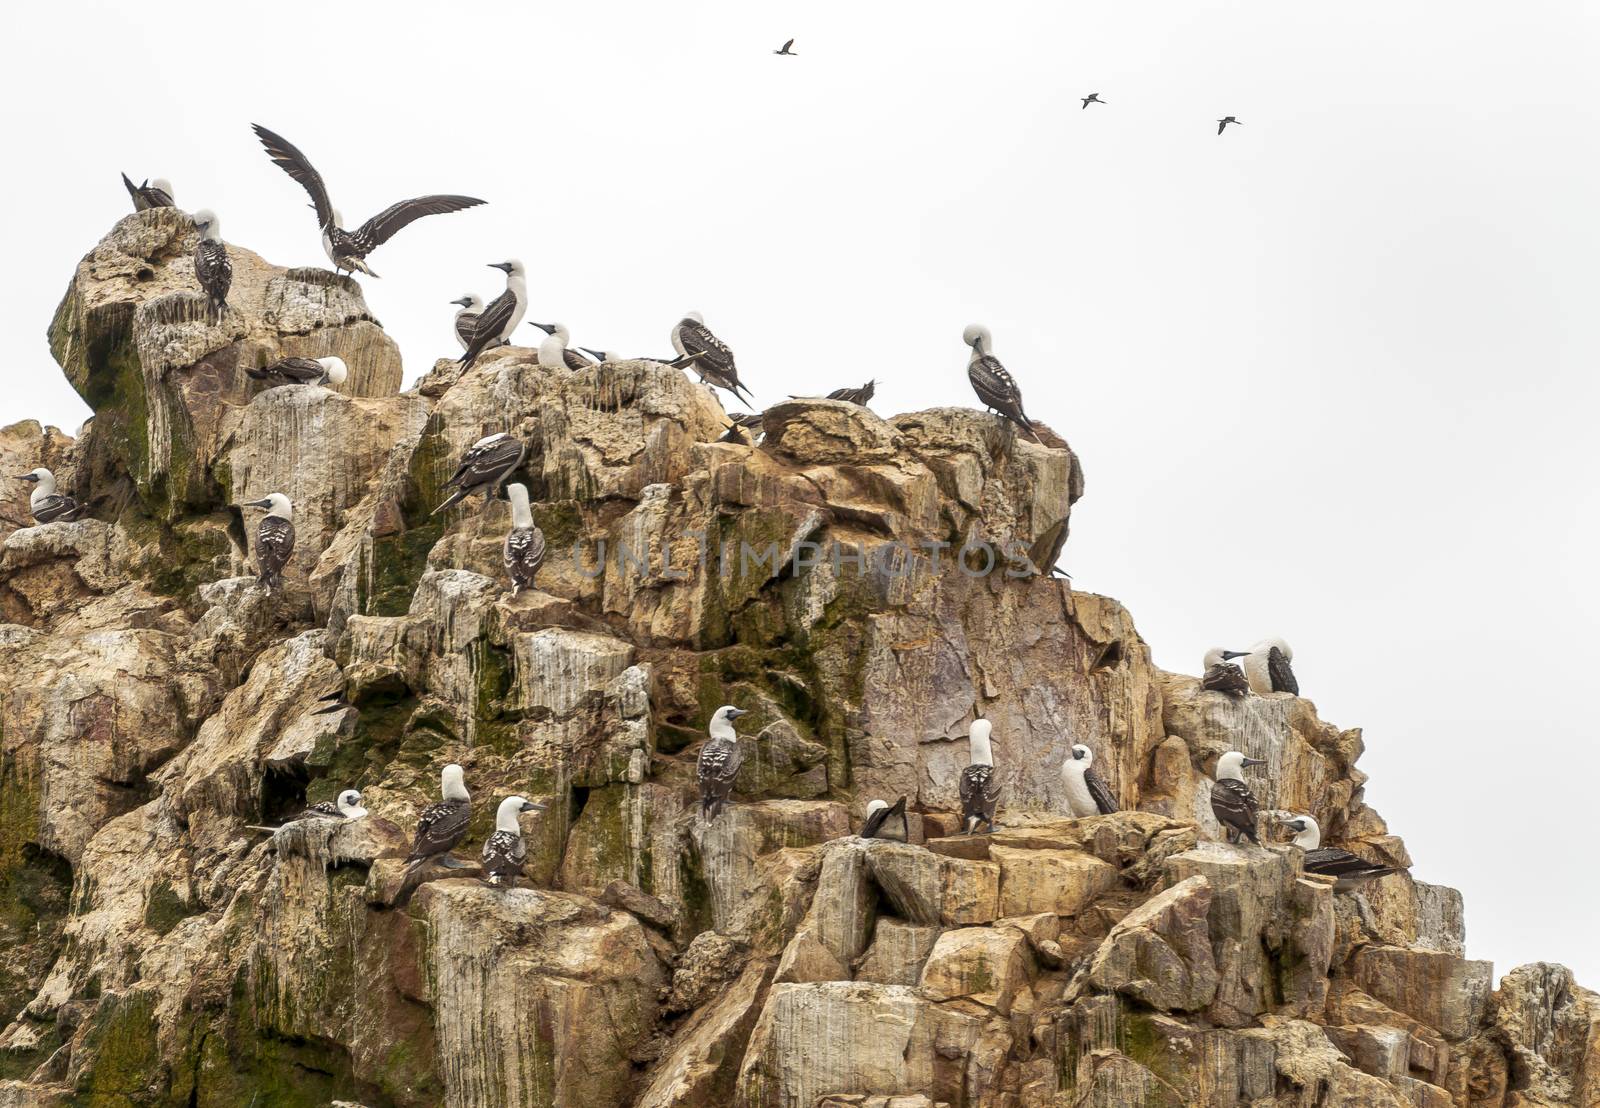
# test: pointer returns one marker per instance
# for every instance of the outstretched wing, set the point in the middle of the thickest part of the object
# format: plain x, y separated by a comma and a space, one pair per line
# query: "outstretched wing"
1104, 799
1282, 676
382, 227
288, 158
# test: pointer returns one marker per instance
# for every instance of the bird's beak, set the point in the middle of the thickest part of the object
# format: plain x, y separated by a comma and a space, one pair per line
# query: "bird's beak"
256, 504
27, 477
737, 712
597, 355
547, 328
1229, 655
1077, 756
504, 266
533, 806
1254, 762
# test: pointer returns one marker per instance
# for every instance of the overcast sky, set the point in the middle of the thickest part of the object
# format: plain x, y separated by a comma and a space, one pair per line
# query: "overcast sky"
1331, 374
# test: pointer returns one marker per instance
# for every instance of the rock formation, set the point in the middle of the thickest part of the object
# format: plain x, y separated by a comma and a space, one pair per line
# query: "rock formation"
864, 587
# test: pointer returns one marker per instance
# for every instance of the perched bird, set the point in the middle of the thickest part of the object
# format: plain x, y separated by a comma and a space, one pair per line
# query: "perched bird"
1087, 792
440, 827
887, 821
494, 325
1267, 667
467, 317
786, 52
848, 395
302, 371
1092, 98
524, 550
1232, 802
346, 807
994, 385
211, 265
274, 538
151, 194
739, 430
1222, 124
504, 851
707, 355
1348, 869
1221, 675
484, 468
719, 761
349, 249
44, 503
979, 785
554, 352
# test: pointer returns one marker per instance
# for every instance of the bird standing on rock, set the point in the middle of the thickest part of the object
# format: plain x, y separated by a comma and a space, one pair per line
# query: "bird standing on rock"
1221, 675
524, 549
554, 353
484, 468
212, 267
467, 318
994, 385
151, 194
1348, 870
1267, 667
494, 325
707, 355
979, 785
1087, 792
719, 761
439, 828
274, 538
329, 371
1232, 802
887, 821
504, 852
44, 503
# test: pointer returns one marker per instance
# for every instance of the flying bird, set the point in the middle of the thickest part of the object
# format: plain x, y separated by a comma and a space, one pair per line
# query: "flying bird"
302, 371
1221, 675
524, 549
1232, 802
1087, 792
979, 786
44, 503
347, 250
440, 827
1348, 870
887, 821
504, 852
554, 353
211, 265
707, 355
495, 323
467, 318
786, 51
719, 761
151, 194
994, 385
346, 807
1092, 98
1222, 124
1267, 667
484, 468
274, 538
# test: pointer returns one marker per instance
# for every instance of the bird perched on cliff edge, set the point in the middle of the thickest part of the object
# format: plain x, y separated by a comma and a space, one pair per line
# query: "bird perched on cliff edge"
484, 468
44, 503
467, 317
349, 249
554, 353
1087, 792
328, 371
1222, 124
1349, 870
719, 761
858, 396
1221, 675
979, 785
1232, 802
742, 426
994, 385
505, 851
151, 194
524, 548
439, 828
707, 355
1267, 667
274, 538
887, 821
494, 325
1092, 98
212, 267
346, 807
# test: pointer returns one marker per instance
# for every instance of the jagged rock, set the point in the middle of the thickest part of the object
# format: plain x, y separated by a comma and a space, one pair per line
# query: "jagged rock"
701, 1065
1551, 1028
927, 888
710, 961
1447, 993
1160, 953
729, 848
898, 952
984, 964
1059, 881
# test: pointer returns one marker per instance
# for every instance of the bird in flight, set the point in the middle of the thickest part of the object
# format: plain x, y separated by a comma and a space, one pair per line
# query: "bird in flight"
786, 52
1092, 98
1222, 124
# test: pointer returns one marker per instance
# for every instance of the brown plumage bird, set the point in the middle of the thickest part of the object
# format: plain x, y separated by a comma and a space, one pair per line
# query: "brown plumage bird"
1221, 675
1232, 802
992, 382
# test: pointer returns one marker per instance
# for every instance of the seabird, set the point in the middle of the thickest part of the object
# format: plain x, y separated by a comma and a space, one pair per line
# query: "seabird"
719, 761
524, 551
738, 430
346, 807
994, 385
1221, 675
887, 821
1087, 792
1232, 802
1222, 124
440, 827
505, 851
1329, 861
151, 194
349, 249
44, 503
274, 538
211, 265
707, 355
979, 785
495, 324
302, 371
848, 395
1267, 667
1092, 98
467, 317
786, 52
554, 352
484, 468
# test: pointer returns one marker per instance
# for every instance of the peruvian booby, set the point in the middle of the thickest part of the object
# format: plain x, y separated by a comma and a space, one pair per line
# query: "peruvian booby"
848, 395
505, 851
739, 430
524, 549
330, 371
151, 194
887, 821
1348, 869
979, 785
1222, 124
701, 351
494, 325
274, 538
719, 761
554, 353
349, 249
786, 51
1221, 675
467, 317
1092, 98
347, 806
212, 268
1232, 802
1087, 792
1267, 667
994, 385
44, 503
439, 828
484, 468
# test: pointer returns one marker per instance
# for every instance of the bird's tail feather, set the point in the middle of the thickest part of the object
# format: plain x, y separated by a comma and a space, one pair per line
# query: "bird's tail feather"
132, 190
409, 883
455, 498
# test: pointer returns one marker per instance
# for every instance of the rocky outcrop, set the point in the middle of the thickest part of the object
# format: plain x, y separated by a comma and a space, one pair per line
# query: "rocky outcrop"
864, 587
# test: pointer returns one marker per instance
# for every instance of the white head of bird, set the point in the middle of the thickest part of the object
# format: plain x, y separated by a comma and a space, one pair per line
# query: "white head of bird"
469, 303
1217, 655
453, 783
722, 721
521, 514
512, 267
977, 336
333, 366
979, 751
44, 483
1308, 836
505, 818
349, 804
163, 184
1266, 645
1230, 767
876, 806
276, 504
695, 316
207, 223
1082, 758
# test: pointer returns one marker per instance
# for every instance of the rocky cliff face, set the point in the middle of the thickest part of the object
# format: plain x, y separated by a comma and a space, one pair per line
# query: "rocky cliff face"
155, 702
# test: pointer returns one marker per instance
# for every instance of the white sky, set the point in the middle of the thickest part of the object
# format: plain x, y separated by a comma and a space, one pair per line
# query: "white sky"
1332, 374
